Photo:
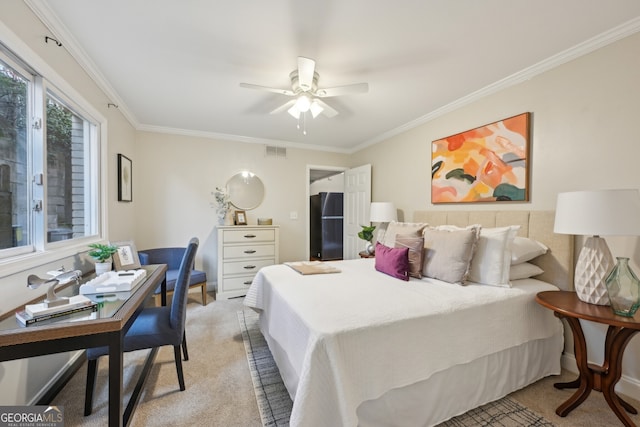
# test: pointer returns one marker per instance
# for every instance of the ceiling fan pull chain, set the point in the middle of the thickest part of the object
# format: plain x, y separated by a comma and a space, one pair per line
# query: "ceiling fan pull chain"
304, 123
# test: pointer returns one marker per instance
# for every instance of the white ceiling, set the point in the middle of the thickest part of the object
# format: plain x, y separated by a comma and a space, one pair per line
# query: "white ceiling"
176, 66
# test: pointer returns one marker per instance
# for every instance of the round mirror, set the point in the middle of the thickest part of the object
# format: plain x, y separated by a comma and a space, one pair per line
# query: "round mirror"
246, 190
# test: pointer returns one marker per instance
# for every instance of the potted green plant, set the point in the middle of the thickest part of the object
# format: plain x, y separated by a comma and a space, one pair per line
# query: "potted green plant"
102, 254
367, 234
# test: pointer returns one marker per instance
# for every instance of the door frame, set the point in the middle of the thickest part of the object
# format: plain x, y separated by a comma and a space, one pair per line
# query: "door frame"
338, 169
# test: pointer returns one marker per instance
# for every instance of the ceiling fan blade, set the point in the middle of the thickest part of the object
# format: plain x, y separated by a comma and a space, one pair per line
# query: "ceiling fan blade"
327, 110
306, 68
283, 107
268, 89
343, 90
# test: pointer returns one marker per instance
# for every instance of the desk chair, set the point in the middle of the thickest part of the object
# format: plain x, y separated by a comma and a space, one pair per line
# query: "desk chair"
154, 327
172, 257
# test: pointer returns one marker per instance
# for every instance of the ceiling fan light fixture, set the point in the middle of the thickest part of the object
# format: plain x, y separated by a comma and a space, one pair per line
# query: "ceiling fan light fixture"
303, 103
294, 111
315, 108
305, 93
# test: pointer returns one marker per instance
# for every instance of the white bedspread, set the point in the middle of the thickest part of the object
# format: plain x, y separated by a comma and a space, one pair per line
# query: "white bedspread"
352, 336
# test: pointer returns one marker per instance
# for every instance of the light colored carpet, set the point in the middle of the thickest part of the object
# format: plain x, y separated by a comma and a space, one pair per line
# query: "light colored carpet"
220, 390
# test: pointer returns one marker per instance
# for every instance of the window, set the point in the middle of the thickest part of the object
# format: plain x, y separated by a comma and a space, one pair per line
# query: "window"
69, 178
15, 88
48, 164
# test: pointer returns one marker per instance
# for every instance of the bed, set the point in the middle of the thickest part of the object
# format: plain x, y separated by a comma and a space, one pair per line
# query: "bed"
360, 347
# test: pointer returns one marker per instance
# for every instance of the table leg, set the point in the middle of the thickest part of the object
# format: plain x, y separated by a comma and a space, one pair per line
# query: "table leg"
584, 382
617, 340
115, 379
137, 391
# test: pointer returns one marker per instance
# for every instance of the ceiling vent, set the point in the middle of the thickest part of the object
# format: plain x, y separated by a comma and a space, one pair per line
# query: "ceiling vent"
273, 151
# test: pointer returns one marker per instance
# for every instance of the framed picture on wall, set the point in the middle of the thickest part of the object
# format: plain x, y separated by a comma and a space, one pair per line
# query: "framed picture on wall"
487, 164
125, 184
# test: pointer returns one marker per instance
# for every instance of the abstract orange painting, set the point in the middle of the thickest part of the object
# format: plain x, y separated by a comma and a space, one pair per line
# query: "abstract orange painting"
486, 164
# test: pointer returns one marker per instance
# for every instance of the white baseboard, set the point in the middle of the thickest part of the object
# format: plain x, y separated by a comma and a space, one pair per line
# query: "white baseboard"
68, 365
627, 385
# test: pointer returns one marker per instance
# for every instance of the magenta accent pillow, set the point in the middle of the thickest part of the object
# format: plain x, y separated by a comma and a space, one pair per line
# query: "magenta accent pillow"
393, 261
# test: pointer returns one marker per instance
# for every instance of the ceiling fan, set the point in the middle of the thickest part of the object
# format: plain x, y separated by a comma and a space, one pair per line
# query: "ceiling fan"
306, 93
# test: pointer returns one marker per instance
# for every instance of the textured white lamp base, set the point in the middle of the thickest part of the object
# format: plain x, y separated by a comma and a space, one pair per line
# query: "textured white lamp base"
594, 263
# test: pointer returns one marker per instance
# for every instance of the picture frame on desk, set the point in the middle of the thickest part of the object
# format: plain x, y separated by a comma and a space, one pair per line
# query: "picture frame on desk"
126, 256
240, 218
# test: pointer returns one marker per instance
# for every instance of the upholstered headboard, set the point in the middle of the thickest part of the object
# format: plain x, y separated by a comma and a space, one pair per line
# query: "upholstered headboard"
557, 263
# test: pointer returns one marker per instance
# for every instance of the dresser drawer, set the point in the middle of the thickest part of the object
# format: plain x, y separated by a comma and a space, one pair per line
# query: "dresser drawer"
245, 267
252, 235
238, 283
242, 252
249, 251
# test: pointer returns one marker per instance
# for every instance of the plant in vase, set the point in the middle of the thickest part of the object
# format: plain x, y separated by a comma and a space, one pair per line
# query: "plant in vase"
223, 204
367, 234
102, 254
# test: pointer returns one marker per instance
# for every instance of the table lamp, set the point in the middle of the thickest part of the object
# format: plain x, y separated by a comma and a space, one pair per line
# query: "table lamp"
594, 214
383, 213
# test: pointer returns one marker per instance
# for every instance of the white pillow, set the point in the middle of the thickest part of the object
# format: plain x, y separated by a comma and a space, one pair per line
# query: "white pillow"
524, 249
491, 261
524, 270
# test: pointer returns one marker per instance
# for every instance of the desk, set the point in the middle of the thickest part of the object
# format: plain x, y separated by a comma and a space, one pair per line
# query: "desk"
109, 329
600, 378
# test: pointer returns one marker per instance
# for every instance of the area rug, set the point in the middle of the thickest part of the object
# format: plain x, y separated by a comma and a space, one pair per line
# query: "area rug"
273, 398
275, 404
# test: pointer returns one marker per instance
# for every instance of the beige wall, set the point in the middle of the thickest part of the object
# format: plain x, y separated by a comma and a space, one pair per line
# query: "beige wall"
584, 136
174, 178
584, 131
21, 381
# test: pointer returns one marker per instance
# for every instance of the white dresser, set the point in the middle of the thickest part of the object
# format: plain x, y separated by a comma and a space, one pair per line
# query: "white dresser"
242, 251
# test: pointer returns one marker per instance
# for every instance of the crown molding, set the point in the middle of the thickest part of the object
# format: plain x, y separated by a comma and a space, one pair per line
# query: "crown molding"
581, 49
240, 138
59, 30
42, 10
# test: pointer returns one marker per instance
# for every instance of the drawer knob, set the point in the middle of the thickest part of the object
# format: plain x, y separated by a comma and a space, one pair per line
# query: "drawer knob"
249, 236
249, 267
250, 251
248, 282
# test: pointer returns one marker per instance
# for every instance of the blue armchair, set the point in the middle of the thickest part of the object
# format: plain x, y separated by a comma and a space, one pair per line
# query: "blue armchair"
172, 257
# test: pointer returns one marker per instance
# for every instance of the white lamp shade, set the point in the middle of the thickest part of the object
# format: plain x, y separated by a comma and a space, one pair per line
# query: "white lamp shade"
382, 212
598, 213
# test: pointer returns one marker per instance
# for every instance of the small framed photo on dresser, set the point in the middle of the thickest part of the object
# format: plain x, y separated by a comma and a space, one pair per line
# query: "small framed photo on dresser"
240, 218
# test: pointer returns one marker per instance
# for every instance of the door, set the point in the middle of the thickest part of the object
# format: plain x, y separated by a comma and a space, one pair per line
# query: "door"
357, 202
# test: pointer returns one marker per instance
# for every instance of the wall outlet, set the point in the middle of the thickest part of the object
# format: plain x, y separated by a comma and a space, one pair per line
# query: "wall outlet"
293, 215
